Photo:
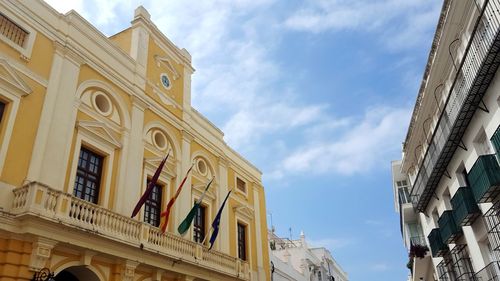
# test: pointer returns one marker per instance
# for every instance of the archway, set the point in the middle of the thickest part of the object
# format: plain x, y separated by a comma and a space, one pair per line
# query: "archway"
77, 273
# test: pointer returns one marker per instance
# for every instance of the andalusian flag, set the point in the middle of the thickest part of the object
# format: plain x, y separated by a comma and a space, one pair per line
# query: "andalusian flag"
166, 214
216, 223
186, 223
150, 187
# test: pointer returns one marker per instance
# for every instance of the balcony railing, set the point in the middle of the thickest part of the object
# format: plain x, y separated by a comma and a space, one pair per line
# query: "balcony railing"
492, 218
450, 231
461, 264
491, 272
465, 208
54, 205
484, 178
438, 247
475, 72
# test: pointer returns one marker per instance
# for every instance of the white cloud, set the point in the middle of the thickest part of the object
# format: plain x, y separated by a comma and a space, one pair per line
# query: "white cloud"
358, 150
403, 24
380, 266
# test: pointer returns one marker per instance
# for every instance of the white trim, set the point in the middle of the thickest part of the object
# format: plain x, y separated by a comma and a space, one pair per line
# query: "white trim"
248, 238
168, 133
108, 156
165, 61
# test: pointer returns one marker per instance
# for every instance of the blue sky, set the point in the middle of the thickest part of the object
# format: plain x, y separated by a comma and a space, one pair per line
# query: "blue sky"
317, 94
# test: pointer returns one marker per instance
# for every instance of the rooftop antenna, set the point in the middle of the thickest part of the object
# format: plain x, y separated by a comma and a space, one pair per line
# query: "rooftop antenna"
290, 229
272, 225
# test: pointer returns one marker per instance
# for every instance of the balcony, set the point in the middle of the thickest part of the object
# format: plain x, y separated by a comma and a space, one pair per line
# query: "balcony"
484, 178
491, 272
449, 229
475, 72
492, 218
465, 208
438, 247
43, 203
495, 140
418, 240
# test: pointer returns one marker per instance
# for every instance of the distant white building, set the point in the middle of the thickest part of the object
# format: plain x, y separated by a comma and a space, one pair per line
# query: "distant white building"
293, 260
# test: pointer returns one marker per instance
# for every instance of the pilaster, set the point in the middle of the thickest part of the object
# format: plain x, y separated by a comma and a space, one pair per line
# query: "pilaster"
130, 180
223, 240
258, 230
53, 139
183, 203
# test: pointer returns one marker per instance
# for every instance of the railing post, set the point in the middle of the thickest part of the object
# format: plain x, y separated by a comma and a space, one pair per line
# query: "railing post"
63, 206
198, 253
144, 234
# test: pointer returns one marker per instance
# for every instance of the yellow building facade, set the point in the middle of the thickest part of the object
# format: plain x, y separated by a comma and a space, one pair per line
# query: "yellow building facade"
85, 122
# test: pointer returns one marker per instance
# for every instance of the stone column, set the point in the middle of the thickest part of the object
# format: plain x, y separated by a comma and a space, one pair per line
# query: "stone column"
131, 165
55, 131
223, 239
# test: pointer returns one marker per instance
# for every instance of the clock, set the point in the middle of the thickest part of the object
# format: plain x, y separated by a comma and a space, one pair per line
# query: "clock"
165, 81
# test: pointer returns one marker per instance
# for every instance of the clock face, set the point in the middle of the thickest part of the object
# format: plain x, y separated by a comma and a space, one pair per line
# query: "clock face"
165, 81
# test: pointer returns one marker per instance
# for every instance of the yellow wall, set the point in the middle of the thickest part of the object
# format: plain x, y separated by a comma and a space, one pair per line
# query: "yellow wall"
23, 135
123, 39
14, 260
153, 76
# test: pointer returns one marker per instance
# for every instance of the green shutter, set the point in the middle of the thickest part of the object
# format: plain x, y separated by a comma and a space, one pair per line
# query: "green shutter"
495, 139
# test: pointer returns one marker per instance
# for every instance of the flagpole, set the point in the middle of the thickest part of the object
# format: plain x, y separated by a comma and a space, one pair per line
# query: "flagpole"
206, 236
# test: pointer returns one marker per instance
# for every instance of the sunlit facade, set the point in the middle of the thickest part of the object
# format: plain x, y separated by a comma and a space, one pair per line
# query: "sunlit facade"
85, 121
452, 150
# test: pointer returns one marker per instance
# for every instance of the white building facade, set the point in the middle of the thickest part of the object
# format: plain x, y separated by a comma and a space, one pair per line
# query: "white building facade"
451, 151
294, 260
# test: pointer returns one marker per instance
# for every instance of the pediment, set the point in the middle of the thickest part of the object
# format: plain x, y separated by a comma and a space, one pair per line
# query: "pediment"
168, 65
152, 163
199, 188
9, 76
99, 131
244, 211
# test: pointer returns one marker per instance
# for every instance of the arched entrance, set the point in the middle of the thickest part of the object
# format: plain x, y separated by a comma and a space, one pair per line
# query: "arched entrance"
76, 273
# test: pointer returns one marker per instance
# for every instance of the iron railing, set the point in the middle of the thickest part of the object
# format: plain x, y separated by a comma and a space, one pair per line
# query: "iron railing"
491, 272
484, 178
465, 208
492, 218
475, 72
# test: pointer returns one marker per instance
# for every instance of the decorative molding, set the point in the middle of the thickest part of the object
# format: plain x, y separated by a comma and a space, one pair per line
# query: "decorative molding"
166, 62
154, 162
244, 211
99, 131
41, 253
199, 188
9, 76
128, 272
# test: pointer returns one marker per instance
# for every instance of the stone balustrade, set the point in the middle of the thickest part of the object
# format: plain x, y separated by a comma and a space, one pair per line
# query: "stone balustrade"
44, 202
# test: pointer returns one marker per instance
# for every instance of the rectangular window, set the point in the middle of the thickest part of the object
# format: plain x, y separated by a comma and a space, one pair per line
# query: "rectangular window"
241, 185
152, 206
199, 224
88, 176
242, 247
2, 109
12, 31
